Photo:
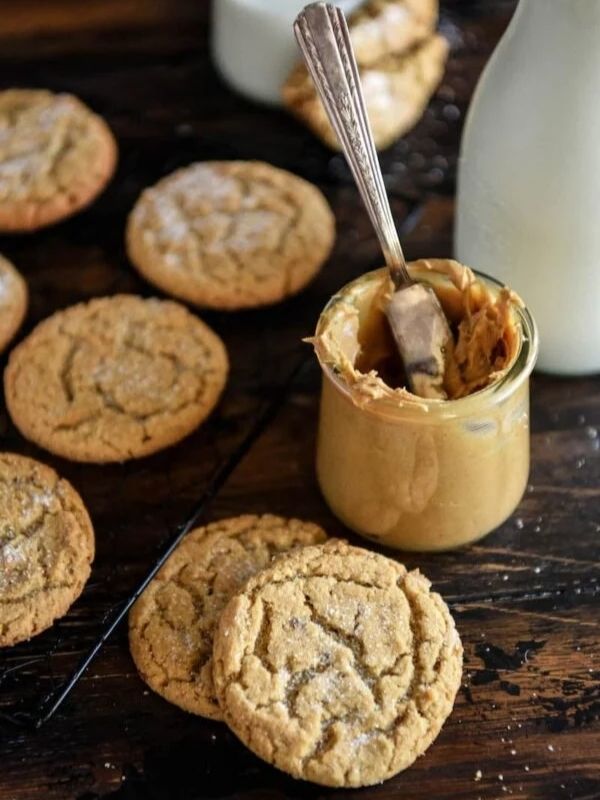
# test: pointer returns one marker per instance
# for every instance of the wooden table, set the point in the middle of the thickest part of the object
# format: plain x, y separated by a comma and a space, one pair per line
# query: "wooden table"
526, 600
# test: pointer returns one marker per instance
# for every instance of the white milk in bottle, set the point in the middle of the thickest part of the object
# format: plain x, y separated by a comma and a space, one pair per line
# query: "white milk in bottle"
253, 43
528, 207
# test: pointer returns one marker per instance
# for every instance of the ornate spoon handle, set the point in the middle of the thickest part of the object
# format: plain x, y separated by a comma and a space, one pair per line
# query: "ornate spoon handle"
323, 36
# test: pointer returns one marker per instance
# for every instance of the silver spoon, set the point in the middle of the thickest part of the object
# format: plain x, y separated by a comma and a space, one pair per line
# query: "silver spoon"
419, 325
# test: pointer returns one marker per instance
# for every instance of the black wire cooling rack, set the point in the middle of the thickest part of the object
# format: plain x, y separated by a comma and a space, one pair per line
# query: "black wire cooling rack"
36, 681
34, 713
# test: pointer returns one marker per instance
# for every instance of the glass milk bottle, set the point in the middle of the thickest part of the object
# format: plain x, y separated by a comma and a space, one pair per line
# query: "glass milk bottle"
529, 178
253, 43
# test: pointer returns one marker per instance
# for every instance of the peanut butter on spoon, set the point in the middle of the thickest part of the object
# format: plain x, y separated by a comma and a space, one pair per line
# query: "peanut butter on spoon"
416, 318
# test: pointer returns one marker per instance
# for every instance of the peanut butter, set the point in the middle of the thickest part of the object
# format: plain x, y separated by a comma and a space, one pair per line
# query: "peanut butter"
425, 474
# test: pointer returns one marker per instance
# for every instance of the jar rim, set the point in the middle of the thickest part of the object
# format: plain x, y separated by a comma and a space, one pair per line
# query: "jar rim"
518, 371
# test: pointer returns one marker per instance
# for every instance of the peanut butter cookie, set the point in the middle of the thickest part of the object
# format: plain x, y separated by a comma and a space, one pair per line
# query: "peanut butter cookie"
230, 234
116, 378
336, 665
380, 27
171, 626
55, 157
46, 547
400, 68
13, 301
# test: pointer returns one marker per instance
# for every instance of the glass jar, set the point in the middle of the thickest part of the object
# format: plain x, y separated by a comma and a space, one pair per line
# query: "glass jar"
418, 474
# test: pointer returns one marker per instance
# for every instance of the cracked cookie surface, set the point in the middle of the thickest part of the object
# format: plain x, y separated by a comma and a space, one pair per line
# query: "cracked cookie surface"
337, 665
56, 155
401, 61
172, 624
380, 27
13, 301
115, 378
46, 547
230, 234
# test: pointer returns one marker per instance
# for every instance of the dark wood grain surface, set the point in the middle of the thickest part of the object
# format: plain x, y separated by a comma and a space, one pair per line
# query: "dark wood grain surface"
526, 599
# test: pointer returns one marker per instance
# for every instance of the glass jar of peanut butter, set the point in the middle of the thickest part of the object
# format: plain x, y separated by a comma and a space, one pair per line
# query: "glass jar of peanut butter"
419, 474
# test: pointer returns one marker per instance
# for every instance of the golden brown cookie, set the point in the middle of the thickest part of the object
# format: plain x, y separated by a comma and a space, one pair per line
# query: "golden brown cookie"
116, 378
401, 62
56, 155
46, 547
230, 234
171, 626
336, 665
13, 301
380, 27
